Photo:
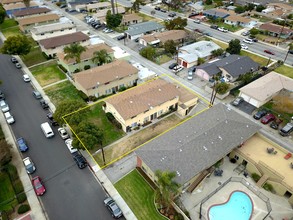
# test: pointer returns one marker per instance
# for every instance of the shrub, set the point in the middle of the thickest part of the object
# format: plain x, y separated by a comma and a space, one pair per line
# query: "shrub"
62, 68
233, 160
76, 71
222, 88
83, 96
268, 187
17, 186
58, 4
46, 56
110, 117
123, 88
86, 67
21, 198
117, 124
12, 172
255, 177
178, 216
93, 98
23, 209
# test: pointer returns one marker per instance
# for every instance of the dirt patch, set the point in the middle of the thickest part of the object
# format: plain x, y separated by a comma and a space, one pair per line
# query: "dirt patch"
283, 102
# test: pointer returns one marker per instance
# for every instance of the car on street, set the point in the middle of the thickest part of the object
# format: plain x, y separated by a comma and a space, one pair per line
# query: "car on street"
276, 123
177, 68
121, 37
26, 78
163, 10
113, 207
44, 104
4, 106
22, 145
237, 101
37, 94
287, 129
68, 143
14, 60
172, 14
79, 160
244, 47
269, 52
157, 8
172, 66
197, 21
9, 118
198, 30
267, 118
213, 26
2, 96
206, 33
253, 39
290, 51
38, 186
259, 114
29, 165
245, 33
190, 75
51, 119
63, 133
248, 41
222, 29
18, 65
192, 14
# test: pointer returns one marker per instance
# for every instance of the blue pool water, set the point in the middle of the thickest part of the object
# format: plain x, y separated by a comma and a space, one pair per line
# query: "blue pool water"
239, 207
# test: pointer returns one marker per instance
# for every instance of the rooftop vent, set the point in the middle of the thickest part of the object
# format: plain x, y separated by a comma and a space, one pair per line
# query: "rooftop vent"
160, 90
180, 150
204, 147
226, 122
205, 133
178, 174
130, 101
247, 126
220, 137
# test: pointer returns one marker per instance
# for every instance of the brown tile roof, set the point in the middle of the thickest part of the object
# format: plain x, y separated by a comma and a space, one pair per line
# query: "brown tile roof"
3, 2
63, 40
131, 17
104, 74
30, 11
275, 28
18, 5
142, 98
166, 35
88, 54
37, 19
238, 18
281, 5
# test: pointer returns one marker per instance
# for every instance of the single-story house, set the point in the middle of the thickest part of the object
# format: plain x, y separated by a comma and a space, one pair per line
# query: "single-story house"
98, 6
137, 30
279, 6
101, 14
237, 20
29, 12
147, 102
11, 8
262, 90
161, 37
52, 30
10, 2
85, 58
215, 13
188, 55
230, 67
129, 19
51, 46
275, 30
27, 23
106, 79
195, 146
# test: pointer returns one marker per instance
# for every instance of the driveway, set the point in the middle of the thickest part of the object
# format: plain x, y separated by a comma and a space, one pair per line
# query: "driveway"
246, 107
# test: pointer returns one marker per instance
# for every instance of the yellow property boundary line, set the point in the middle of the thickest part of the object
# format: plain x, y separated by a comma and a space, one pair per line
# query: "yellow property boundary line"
127, 153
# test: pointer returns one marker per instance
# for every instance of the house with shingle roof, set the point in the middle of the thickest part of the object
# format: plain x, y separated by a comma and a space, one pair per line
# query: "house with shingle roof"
85, 58
237, 20
188, 55
262, 90
129, 19
161, 37
106, 79
98, 6
8, 2
216, 13
193, 147
101, 14
147, 102
137, 30
29, 12
230, 67
275, 30
52, 30
18, 6
27, 23
52, 46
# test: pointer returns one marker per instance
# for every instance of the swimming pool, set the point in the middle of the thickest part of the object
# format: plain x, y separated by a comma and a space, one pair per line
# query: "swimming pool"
239, 206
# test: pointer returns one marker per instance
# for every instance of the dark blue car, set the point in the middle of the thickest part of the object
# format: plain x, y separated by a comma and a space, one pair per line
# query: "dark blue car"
22, 144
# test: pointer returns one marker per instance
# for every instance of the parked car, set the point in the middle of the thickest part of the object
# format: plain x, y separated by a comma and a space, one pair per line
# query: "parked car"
269, 52
190, 75
177, 68
260, 114
163, 10
38, 186
172, 66
113, 207
267, 118
14, 60
193, 14
172, 14
213, 26
253, 39
51, 119
244, 47
29, 165
26, 78
121, 37
237, 101
44, 104
63, 133
290, 51
68, 143
79, 160
222, 29
22, 145
63, 6
198, 30
287, 129
18, 65
37, 94
276, 123
157, 8
197, 21
4, 106
248, 41
245, 33
2, 96
9, 118
136, 40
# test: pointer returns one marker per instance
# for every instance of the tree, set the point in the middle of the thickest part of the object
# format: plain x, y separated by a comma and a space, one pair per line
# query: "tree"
170, 47
259, 8
176, 4
239, 9
246, 78
254, 31
249, 7
200, 61
222, 88
234, 47
101, 57
167, 187
136, 5
5, 154
148, 52
74, 51
2, 14
16, 45
26, 3
113, 20
208, 2
176, 24
218, 52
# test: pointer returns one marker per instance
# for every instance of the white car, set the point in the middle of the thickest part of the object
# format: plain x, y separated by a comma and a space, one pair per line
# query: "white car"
222, 29
248, 41
68, 143
9, 118
29, 165
63, 133
26, 78
244, 47
4, 107
177, 68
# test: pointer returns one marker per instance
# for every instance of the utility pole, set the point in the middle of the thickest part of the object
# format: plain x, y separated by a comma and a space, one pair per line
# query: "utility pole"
281, 31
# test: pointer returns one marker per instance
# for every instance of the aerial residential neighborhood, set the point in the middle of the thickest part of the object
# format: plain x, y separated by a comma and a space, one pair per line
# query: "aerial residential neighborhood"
146, 109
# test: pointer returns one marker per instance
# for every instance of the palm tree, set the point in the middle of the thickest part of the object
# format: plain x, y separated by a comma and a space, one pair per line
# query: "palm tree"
101, 57
136, 5
168, 188
74, 51
26, 3
289, 49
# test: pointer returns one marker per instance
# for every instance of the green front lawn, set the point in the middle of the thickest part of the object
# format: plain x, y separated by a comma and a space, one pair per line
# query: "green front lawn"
8, 32
34, 57
47, 73
285, 70
7, 195
139, 196
163, 59
62, 91
261, 60
8, 23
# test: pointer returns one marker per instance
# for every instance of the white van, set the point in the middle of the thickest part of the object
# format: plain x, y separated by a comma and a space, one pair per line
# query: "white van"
46, 128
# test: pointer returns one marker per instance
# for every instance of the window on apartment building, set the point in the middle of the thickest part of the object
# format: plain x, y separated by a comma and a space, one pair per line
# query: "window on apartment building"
160, 112
146, 119
42, 34
121, 86
236, 157
62, 30
134, 124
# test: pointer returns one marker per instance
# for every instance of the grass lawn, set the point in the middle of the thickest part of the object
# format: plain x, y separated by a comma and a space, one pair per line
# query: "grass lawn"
35, 56
285, 70
163, 59
221, 44
139, 196
11, 31
146, 17
261, 60
7, 200
207, 7
47, 73
8, 23
62, 91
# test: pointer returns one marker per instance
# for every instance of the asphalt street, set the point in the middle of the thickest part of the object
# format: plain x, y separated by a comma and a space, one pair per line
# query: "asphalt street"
72, 193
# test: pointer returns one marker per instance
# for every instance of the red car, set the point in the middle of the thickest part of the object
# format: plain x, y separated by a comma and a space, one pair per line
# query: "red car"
269, 52
268, 118
38, 186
